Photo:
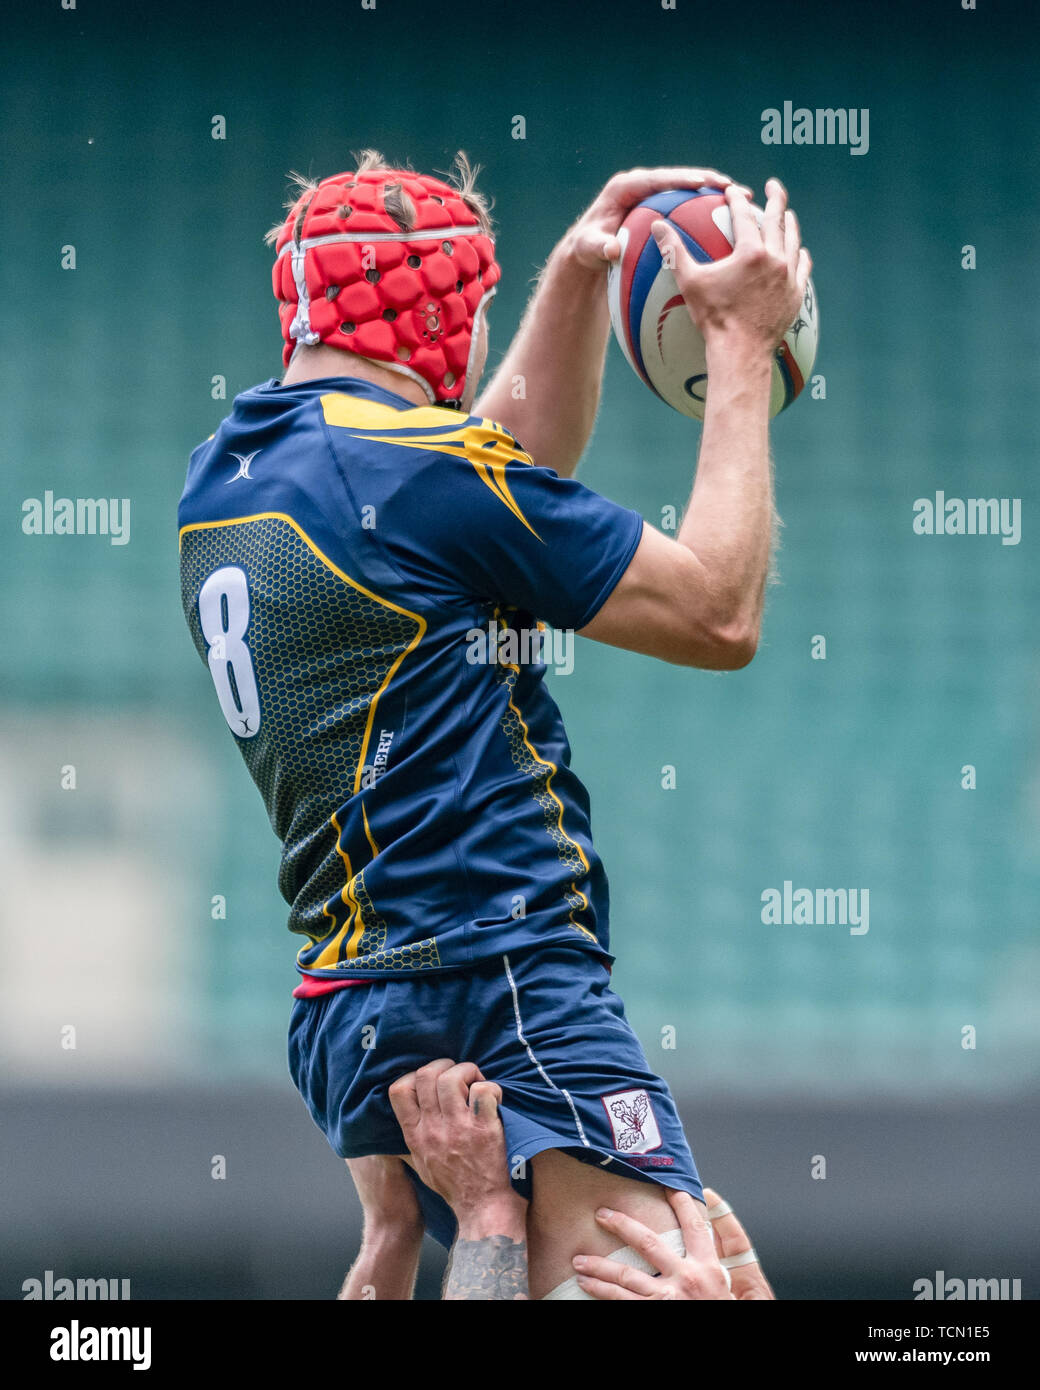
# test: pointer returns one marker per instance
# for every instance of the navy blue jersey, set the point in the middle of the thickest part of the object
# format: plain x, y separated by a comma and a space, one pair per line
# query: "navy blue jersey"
362, 577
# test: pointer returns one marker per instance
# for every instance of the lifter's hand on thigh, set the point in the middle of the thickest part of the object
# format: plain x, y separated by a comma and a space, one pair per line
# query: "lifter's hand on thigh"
734, 1244
695, 1275
448, 1114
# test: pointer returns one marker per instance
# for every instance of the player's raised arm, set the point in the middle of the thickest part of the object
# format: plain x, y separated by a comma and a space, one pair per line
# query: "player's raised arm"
697, 599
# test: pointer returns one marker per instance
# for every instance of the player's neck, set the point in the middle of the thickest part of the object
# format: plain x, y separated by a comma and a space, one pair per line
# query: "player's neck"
311, 363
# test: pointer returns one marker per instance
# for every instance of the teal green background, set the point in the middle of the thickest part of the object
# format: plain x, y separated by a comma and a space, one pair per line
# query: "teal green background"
837, 773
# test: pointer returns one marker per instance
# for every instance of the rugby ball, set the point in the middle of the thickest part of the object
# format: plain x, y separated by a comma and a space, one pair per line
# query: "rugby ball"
651, 322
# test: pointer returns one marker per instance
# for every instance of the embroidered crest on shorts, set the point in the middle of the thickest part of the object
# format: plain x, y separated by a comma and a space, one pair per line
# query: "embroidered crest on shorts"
632, 1122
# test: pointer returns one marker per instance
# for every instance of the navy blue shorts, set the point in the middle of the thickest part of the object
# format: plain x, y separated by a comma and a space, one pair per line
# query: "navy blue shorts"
544, 1024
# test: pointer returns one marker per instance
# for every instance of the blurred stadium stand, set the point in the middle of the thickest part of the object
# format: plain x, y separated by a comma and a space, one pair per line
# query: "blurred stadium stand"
789, 1041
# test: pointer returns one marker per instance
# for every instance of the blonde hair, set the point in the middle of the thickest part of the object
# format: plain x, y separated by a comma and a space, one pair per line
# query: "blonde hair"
462, 176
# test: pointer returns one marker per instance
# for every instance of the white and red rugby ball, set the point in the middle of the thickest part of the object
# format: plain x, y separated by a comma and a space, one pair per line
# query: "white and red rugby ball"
652, 323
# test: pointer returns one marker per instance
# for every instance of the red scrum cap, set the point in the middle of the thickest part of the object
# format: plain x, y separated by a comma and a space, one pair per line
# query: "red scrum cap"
389, 264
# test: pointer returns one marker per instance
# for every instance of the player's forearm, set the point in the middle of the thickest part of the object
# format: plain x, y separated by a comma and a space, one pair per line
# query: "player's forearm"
546, 390
385, 1268
489, 1258
729, 521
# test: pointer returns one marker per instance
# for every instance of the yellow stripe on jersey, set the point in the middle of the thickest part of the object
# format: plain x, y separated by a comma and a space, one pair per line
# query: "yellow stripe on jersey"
361, 589
545, 762
355, 926
487, 446
356, 917
354, 412
355, 921
359, 929
498, 485
368, 831
567, 848
330, 955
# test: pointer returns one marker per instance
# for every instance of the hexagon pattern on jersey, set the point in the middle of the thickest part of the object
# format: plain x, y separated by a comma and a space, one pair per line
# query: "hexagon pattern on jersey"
322, 650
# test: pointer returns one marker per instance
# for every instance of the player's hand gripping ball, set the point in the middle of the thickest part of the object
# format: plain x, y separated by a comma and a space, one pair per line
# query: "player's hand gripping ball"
650, 318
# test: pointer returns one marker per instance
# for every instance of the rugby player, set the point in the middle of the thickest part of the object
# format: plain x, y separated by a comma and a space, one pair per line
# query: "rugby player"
352, 538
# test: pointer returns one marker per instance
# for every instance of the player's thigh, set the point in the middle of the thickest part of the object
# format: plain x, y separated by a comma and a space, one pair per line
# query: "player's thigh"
561, 1221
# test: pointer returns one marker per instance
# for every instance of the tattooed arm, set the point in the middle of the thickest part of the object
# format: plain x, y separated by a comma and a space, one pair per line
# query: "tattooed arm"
448, 1114
489, 1257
